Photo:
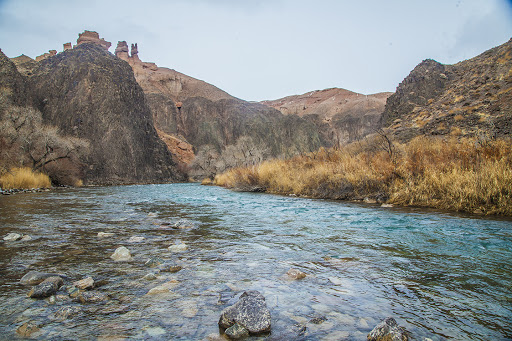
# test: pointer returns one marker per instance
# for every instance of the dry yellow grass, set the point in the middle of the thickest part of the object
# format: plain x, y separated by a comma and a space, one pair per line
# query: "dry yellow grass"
449, 173
24, 178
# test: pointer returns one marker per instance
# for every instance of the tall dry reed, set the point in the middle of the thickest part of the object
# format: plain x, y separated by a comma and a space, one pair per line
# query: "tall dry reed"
24, 178
449, 173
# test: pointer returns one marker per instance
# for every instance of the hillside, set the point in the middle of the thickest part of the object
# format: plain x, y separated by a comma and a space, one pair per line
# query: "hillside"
341, 115
223, 131
470, 98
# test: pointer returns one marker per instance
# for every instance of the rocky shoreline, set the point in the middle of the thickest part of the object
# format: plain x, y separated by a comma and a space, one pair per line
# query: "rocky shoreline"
246, 315
22, 190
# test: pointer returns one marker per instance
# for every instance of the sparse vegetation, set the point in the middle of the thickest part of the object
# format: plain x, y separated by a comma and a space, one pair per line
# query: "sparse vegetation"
24, 178
460, 174
26, 141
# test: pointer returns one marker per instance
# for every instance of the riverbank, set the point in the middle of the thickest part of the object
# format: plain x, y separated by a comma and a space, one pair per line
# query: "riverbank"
465, 175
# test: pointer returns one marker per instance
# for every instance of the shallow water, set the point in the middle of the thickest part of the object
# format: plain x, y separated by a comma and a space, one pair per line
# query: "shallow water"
440, 275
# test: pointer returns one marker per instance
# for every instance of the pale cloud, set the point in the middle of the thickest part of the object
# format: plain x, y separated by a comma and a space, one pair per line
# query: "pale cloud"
264, 49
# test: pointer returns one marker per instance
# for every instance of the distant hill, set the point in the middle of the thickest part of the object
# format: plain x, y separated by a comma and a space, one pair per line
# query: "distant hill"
470, 98
342, 116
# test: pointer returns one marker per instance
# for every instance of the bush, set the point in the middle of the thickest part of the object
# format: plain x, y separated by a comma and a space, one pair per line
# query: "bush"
447, 173
24, 178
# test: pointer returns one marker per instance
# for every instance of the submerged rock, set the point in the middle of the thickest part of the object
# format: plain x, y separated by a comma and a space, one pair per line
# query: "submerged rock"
10, 237
236, 331
136, 239
121, 254
183, 224
105, 234
388, 330
250, 311
36, 277
28, 330
295, 274
46, 288
92, 297
164, 288
178, 247
65, 313
154, 262
149, 277
85, 284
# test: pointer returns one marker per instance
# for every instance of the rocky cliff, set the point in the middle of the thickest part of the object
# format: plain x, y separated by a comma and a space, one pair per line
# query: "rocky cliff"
342, 116
470, 98
91, 94
222, 130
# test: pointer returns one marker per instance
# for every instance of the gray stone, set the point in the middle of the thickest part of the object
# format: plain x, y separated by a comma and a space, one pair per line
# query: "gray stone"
388, 330
122, 254
105, 234
250, 311
136, 239
36, 277
178, 247
12, 237
236, 331
46, 288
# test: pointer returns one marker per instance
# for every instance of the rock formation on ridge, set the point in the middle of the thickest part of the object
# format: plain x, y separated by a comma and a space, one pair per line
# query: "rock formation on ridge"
342, 116
89, 93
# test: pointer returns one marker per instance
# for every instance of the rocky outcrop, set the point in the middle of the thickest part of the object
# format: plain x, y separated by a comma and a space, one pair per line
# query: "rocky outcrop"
342, 116
89, 93
470, 98
13, 86
221, 130
92, 37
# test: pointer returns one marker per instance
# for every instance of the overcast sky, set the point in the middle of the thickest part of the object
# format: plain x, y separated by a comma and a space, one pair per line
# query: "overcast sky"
267, 49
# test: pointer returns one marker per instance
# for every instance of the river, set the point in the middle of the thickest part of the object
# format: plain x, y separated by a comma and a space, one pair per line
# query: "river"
440, 275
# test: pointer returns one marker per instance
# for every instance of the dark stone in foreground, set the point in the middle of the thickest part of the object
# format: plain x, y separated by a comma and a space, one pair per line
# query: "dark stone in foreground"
388, 330
46, 288
250, 312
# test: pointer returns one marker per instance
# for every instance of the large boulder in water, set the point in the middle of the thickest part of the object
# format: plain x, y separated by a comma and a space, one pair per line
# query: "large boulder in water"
250, 312
388, 330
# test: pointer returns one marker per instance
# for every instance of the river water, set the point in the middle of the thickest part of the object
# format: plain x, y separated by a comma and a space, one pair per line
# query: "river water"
439, 275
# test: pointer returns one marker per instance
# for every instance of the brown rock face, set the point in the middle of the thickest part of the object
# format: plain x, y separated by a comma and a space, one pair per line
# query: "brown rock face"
470, 98
92, 37
224, 131
342, 116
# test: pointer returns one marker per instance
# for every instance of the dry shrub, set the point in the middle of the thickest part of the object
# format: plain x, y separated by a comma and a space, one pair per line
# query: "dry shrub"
447, 173
461, 175
24, 178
